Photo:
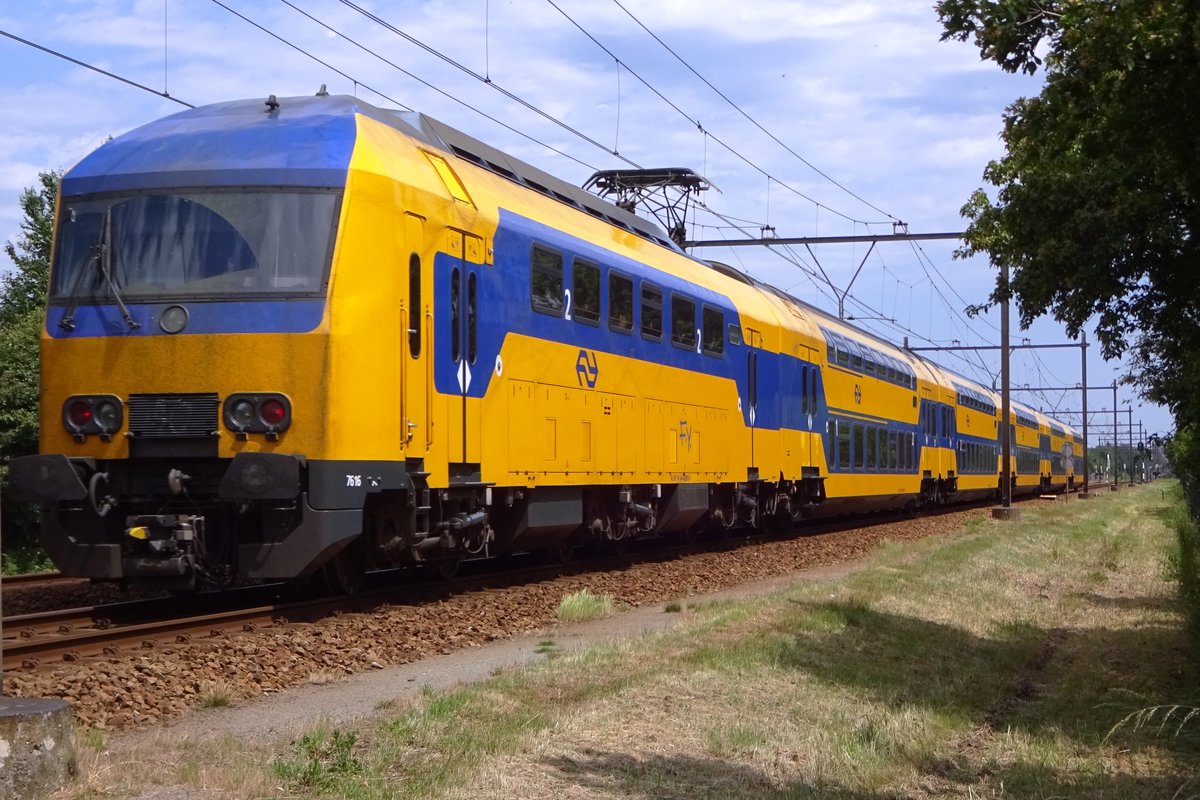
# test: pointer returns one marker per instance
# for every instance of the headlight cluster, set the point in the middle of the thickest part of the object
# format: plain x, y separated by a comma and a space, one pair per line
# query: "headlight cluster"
93, 414
268, 413
102, 415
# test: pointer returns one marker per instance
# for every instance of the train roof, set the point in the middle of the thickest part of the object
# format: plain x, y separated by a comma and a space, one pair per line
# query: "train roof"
298, 141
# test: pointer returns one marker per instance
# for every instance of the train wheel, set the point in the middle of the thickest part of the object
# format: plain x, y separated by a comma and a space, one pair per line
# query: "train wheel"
447, 568
562, 553
345, 572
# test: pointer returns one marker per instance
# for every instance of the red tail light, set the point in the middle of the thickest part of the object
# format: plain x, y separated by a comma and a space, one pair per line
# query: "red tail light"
272, 411
79, 413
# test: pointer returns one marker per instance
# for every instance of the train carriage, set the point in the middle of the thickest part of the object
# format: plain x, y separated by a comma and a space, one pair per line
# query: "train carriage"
311, 336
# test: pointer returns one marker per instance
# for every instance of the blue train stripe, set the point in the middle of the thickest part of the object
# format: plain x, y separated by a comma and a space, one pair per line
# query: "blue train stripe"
250, 316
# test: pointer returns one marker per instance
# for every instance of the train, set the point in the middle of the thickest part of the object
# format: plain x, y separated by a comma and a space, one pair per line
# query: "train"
301, 339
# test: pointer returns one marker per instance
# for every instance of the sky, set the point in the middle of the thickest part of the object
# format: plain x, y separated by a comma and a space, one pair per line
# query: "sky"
812, 117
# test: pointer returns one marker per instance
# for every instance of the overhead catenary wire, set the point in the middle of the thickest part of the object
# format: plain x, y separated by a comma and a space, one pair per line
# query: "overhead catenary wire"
94, 68
429, 85
752, 121
486, 80
697, 123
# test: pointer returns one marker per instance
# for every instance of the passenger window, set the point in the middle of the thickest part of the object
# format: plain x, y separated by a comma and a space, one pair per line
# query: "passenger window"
860, 446
683, 322
472, 319
585, 283
872, 448
804, 390
843, 445
893, 450
713, 331
735, 334
831, 442
547, 281
455, 322
652, 322
414, 303
620, 302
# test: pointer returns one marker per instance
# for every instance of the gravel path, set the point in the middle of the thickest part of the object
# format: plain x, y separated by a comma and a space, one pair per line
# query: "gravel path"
142, 688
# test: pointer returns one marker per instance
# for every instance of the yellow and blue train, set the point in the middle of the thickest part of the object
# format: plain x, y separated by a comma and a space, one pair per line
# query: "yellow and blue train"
312, 336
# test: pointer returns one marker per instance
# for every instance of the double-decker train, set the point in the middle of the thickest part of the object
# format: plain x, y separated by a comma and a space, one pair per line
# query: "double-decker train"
312, 337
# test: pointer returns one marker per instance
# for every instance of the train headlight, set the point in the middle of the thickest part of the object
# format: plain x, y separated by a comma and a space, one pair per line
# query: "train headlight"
108, 415
242, 412
260, 412
96, 414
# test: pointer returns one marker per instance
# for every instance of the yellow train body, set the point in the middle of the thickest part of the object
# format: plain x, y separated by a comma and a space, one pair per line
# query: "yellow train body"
417, 349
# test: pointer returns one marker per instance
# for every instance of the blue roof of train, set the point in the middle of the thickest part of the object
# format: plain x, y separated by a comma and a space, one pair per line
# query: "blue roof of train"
307, 141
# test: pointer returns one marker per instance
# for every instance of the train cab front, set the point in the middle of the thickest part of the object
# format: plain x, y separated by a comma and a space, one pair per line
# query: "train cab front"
184, 382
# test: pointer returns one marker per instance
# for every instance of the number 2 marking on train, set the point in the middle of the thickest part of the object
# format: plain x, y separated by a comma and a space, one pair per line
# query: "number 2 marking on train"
354, 480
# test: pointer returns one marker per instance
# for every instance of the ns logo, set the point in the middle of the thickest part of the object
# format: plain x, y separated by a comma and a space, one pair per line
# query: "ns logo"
587, 369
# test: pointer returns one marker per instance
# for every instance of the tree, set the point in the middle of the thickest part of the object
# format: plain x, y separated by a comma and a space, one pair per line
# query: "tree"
22, 304
1096, 204
24, 290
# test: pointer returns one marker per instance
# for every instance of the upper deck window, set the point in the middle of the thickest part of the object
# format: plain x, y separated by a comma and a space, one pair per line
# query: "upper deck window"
546, 287
195, 244
585, 277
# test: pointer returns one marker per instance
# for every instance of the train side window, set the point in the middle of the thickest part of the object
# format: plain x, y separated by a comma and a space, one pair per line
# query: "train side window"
455, 322
812, 390
843, 353
830, 351
652, 321
869, 364
712, 328
683, 322
804, 390
860, 446
414, 305
585, 285
872, 448
735, 334
893, 450
831, 442
620, 302
856, 357
546, 287
472, 318
844, 445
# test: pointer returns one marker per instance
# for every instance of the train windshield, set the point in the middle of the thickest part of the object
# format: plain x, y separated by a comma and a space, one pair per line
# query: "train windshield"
194, 244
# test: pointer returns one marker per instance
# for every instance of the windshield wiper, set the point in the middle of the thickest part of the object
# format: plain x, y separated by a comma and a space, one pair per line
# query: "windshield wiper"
99, 254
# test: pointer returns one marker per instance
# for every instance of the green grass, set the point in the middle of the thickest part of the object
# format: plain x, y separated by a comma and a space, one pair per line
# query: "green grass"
1042, 658
583, 605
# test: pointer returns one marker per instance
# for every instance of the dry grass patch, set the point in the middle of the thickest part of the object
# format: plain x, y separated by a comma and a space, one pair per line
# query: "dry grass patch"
583, 605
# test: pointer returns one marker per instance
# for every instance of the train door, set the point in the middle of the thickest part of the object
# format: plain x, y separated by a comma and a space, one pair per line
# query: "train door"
464, 445
416, 326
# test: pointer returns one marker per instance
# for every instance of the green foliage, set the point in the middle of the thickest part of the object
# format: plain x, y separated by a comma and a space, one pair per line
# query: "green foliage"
24, 291
1096, 204
322, 760
22, 302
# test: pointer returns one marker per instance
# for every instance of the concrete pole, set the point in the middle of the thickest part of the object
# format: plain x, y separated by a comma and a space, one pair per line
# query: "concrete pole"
1116, 483
1005, 404
1131, 453
1083, 359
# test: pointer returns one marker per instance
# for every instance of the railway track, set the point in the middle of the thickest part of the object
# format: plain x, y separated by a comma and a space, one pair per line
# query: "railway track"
33, 580
33, 641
